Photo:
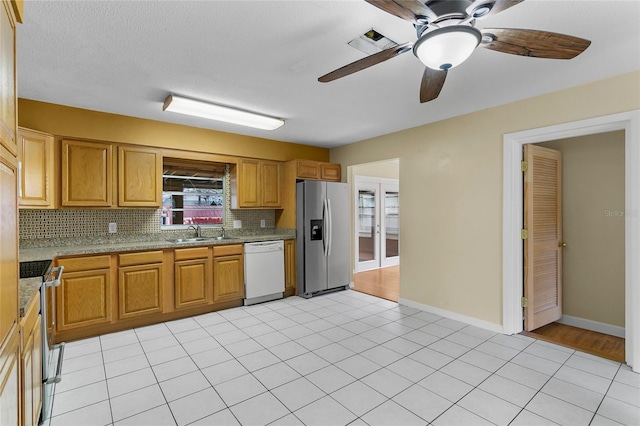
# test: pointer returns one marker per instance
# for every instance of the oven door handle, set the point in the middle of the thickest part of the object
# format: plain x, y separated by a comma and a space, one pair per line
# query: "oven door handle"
56, 272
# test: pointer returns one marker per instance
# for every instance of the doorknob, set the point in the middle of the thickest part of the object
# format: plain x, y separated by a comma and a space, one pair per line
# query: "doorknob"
562, 244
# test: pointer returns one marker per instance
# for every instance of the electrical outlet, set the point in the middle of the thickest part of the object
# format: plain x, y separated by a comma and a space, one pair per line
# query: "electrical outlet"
113, 228
237, 224
263, 223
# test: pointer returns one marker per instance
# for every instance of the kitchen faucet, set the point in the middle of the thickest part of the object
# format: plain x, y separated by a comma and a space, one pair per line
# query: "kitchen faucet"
197, 229
222, 227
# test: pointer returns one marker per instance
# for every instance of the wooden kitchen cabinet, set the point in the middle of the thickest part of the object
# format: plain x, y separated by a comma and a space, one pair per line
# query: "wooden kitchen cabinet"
140, 284
84, 296
193, 281
8, 109
36, 157
31, 363
256, 184
8, 244
316, 170
228, 272
290, 267
87, 174
10, 379
139, 177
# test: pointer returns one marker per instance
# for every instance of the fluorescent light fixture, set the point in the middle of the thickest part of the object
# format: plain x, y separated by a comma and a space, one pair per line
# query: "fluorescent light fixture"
202, 109
447, 47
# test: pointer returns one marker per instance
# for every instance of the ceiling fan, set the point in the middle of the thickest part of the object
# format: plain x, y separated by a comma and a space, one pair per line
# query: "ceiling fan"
447, 36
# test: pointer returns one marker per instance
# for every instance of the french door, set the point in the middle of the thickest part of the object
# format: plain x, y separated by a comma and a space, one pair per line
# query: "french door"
377, 223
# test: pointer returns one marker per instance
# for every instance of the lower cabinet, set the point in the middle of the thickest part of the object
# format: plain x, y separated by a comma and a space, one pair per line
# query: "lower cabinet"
192, 277
84, 296
31, 363
10, 379
140, 284
228, 273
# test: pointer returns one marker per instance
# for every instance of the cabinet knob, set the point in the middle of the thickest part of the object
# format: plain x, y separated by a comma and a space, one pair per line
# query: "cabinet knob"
562, 244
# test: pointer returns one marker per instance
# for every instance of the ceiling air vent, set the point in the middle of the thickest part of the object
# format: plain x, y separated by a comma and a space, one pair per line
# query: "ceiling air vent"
372, 42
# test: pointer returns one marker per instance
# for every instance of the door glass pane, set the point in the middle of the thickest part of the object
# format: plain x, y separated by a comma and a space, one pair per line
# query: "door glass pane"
392, 224
366, 224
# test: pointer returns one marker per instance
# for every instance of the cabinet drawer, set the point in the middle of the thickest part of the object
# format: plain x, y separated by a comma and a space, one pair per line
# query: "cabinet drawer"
130, 259
227, 250
73, 264
192, 253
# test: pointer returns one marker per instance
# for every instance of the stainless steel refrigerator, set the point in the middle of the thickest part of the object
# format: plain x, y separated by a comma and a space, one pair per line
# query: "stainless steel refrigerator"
323, 237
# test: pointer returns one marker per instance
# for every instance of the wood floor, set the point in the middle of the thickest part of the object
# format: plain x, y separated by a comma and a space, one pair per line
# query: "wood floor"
383, 282
591, 342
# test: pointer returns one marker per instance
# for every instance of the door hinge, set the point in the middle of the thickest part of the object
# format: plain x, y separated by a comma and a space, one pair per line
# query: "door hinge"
524, 166
524, 234
524, 302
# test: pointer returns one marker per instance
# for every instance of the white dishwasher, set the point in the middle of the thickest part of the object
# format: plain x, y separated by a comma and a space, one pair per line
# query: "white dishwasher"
263, 271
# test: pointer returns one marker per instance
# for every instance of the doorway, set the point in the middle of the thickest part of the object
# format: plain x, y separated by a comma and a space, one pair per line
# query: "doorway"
587, 242
377, 223
629, 122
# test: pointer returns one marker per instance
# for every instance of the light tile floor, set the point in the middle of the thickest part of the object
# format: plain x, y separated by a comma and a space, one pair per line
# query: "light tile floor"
342, 358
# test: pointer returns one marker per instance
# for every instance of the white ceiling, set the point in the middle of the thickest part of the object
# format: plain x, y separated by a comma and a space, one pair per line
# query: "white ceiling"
265, 56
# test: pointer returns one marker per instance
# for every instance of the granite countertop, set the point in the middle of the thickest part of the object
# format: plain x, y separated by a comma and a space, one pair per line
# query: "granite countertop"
85, 246
28, 288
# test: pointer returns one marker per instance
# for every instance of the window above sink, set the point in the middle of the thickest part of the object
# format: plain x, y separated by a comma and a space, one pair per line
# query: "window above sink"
192, 193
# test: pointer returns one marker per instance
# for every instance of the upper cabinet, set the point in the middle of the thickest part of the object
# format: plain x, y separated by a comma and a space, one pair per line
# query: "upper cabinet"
316, 170
256, 184
139, 177
36, 181
8, 117
88, 175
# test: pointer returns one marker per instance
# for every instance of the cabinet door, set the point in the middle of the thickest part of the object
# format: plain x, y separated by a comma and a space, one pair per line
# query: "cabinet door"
83, 299
330, 172
10, 380
36, 169
192, 281
307, 169
290, 267
249, 183
36, 373
8, 120
228, 278
140, 290
271, 184
8, 245
87, 174
139, 177
27, 381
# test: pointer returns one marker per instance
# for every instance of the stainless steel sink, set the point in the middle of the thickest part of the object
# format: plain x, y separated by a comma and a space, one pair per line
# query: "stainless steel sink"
190, 240
224, 238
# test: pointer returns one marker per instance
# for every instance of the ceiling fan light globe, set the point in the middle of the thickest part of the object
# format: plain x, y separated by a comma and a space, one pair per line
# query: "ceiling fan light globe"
447, 47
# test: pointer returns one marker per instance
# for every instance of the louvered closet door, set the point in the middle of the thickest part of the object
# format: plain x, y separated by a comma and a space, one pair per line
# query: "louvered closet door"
542, 248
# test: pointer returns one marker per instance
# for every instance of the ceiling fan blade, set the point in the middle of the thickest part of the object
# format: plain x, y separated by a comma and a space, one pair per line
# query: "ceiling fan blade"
410, 10
432, 82
534, 43
363, 63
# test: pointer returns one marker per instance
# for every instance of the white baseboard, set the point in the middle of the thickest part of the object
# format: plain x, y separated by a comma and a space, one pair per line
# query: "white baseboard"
496, 328
600, 327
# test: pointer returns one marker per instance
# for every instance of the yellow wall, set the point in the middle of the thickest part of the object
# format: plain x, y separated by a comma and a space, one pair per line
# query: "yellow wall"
593, 226
81, 123
451, 186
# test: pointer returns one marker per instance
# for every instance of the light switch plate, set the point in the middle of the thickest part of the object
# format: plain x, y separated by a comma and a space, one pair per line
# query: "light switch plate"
113, 228
237, 224
263, 223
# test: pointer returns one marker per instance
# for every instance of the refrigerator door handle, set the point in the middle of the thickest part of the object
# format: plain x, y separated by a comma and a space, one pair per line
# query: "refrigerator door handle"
330, 231
325, 226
